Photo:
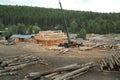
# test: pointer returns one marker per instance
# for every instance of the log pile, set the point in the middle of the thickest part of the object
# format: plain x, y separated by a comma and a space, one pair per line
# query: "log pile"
10, 65
62, 73
109, 46
111, 63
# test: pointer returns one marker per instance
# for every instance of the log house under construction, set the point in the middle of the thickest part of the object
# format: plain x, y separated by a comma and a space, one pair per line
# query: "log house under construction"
50, 38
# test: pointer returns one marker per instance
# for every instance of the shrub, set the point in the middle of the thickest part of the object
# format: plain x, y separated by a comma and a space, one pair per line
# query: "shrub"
82, 34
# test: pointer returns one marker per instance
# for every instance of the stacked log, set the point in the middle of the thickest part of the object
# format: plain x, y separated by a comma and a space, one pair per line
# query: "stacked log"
10, 65
111, 63
62, 73
108, 46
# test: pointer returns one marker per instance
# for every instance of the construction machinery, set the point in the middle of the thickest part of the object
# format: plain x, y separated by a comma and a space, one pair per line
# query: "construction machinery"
65, 24
67, 43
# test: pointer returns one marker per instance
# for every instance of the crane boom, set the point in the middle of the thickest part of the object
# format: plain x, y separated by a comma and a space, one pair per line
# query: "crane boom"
65, 24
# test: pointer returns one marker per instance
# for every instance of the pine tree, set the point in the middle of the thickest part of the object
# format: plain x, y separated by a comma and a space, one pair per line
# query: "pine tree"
82, 34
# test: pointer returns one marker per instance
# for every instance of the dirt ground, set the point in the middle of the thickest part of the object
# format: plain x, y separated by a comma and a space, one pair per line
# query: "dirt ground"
55, 59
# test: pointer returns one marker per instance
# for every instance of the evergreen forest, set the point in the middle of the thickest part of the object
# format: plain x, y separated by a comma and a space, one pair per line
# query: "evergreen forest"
27, 20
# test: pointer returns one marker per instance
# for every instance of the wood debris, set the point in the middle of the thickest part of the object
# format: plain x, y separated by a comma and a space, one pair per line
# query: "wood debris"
63, 51
62, 73
10, 65
55, 48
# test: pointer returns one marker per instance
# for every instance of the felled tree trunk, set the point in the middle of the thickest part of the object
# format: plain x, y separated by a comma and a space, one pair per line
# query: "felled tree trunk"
73, 73
13, 68
36, 75
8, 73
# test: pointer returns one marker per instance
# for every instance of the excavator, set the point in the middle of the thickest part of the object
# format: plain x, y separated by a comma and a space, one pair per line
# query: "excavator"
67, 43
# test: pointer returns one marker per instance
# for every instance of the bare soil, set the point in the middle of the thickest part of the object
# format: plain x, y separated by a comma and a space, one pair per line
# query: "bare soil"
55, 59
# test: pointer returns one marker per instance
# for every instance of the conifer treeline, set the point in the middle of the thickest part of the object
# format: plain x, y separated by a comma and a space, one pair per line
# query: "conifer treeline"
48, 18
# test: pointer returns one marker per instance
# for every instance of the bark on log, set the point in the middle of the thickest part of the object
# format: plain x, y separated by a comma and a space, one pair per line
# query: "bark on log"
65, 68
110, 64
33, 76
8, 73
59, 75
116, 57
104, 62
38, 75
51, 75
101, 67
24, 62
2, 71
64, 51
73, 73
77, 75
112, 60
116, 60
17, 67
5, 63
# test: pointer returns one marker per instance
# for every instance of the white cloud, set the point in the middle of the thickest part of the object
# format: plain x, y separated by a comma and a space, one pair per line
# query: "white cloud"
16, 0
84, 5
93, 5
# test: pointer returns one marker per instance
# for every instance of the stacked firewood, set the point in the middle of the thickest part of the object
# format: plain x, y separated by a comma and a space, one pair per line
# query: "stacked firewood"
62, 73
10, 65
111, 63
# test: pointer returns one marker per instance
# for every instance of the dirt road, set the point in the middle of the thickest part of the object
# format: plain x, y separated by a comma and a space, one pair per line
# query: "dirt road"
54, 59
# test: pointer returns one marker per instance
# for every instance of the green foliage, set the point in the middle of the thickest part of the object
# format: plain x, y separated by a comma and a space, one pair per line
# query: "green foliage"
1, 27
24, 17
73, 26
82, 34
35, 29
21, 28
58, 27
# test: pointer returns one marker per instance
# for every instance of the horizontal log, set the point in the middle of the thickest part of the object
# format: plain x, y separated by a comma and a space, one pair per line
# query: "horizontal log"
5, 63
35, 75
77, 75
59, 75
8, 73
17, 67
60, 69
51, 75
2, 71
65, 68
73, 73
64, 51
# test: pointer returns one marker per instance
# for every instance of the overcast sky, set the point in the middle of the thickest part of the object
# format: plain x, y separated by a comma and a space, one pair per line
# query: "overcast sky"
81, 5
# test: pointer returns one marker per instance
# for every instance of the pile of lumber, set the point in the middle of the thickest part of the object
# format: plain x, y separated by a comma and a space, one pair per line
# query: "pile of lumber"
62, 73
50, 38
10, 65
111, 63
